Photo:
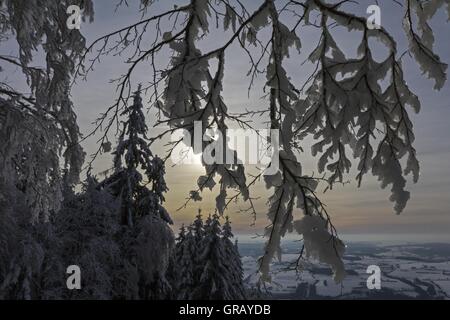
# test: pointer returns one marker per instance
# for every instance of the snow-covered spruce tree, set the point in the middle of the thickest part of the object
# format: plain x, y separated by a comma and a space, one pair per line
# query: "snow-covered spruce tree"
28, 264
354, 107
233, 262
173, 273
207, 263
86, 230
184, 264
138, 197
198, 230
215, 280
147, 240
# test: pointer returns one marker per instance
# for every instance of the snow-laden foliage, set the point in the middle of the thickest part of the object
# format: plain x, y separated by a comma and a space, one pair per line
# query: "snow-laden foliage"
146, 238
38, 125
25, 268
39, 135
346, 95
150, 253
86, 229
184, 264
138, 197
181, 104
207, 264
421, 45
213, 282
34, 256
356, 108
321, 245
234, 266
116, 261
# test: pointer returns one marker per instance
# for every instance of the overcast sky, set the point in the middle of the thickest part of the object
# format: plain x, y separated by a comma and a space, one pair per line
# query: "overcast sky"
353, 210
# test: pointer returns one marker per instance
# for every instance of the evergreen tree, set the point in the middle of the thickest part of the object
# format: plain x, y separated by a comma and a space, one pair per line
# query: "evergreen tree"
180, 239
133, 153
86, 229
173, 270
198, 228
233, 261
148, 241
185, 265
214, 282
198, 232
207, 263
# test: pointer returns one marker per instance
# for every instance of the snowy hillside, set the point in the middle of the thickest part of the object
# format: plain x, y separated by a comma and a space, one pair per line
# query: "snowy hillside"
407, 272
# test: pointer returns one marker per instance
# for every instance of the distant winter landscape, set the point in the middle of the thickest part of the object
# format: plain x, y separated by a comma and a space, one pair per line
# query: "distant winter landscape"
408, 271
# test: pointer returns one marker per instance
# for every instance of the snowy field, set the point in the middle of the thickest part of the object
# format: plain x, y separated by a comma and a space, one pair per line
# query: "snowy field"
408, 271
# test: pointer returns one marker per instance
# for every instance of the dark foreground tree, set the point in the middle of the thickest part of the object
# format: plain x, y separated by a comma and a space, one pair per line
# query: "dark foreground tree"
117, 261
116, 230
208, 266
183, 279
234, 262
86, 232
38, 125
146, 238
39, 136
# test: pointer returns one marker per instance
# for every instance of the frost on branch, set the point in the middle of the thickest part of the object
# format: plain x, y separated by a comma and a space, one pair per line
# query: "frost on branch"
39, 127
192, 94
421, 46
356, 113
291, 188
319, 244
